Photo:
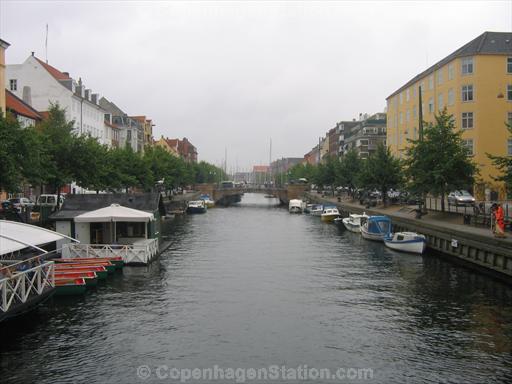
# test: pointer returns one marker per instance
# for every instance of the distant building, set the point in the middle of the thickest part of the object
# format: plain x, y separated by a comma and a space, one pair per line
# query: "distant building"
38, 84
170, 145
147, 125
313, 156
260, 174
131, 132
284, 164
24, 113
344, 128
187, 151
366, 135
3, 46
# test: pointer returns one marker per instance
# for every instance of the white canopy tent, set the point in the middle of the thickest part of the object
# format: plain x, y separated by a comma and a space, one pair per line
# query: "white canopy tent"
114, 213
15, 236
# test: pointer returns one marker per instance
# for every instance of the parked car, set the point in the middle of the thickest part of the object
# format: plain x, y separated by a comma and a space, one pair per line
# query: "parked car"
21, 203
461, 197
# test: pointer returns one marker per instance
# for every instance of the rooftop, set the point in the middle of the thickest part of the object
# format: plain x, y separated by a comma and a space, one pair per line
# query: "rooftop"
488, 43
18, 106
54, 71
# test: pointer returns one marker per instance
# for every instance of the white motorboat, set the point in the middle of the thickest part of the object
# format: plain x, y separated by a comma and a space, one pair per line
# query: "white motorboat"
353, 222
317, 210
196, 206
296, 206
329, 214
406, 242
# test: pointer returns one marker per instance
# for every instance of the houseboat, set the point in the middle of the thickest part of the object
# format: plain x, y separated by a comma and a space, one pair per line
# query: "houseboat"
376, 228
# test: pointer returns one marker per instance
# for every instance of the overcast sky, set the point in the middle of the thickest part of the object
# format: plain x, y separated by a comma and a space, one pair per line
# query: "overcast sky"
235, 74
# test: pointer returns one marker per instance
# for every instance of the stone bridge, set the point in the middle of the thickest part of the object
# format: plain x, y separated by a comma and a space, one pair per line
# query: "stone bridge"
228, 196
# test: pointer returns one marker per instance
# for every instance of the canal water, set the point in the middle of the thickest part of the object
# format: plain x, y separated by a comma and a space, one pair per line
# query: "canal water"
253, 287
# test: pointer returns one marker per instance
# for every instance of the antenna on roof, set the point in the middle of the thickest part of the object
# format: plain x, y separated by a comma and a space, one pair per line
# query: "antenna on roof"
46, 44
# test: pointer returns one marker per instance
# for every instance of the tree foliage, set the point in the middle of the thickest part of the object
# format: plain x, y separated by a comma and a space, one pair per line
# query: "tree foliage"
504, 165
439, 163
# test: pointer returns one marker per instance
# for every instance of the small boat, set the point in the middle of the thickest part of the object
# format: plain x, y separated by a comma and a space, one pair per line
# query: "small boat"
90, 277
329, 214
353, 222
116, 260
69, 286
196, 206
296, 206
406, 242
101, 271
107, 264
376, 227
318, 209
207, 200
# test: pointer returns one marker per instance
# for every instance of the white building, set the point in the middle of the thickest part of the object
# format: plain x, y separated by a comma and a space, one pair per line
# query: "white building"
39, 84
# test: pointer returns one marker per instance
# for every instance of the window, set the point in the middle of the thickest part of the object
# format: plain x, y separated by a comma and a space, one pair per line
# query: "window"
509, 92
431, 82
440, 77
401, 118
407, 95
509, 118
440, 101
401, 97
467, 65
451, 71
451, 97
468, 143
509, 147
13, 85
467, 93
407, 115
509, 64
414, 113
431, 105
467, 120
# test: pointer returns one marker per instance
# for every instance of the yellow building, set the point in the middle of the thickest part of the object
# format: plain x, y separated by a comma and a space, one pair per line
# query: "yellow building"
148, 125
474, 83
170, 145
3, 46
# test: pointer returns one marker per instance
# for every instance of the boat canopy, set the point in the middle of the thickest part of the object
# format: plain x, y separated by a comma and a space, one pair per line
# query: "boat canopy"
114, 213
15, 236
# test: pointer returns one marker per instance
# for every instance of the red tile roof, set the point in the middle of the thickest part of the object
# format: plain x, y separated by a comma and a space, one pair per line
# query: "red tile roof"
53, 71
19, 107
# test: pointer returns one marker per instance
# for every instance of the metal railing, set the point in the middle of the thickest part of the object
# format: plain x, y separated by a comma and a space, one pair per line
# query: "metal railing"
23, 280
141, 252
479, 208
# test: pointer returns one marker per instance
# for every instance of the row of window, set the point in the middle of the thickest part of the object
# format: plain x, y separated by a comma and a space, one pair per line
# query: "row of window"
467, 68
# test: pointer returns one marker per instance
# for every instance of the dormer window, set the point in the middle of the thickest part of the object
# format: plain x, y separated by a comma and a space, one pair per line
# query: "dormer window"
13, 84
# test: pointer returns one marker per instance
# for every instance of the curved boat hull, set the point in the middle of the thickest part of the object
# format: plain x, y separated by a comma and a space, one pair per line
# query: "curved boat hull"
352, 227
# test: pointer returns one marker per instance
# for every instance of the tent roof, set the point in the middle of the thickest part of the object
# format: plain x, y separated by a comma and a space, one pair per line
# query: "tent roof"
114, 212
15, 236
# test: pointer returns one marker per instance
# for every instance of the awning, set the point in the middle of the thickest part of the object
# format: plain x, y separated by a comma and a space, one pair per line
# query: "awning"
114, 213
15, 236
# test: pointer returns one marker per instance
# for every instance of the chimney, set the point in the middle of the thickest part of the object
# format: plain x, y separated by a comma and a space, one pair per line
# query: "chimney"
33, 53
95, 98
88, 94
27, 95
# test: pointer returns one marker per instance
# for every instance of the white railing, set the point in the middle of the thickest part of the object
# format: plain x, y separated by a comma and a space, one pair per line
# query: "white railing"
141, 252
17, 287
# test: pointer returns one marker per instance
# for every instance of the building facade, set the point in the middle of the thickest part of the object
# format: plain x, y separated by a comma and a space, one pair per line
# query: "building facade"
147, 125
170, 145
474, 84
366, 135
3, 46
130, 131
39, 84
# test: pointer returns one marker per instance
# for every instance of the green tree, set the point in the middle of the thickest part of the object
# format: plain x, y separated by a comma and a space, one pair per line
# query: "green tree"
58, 137
439, 163
349, 170
504, 165
381, 171
90, 163
10, 155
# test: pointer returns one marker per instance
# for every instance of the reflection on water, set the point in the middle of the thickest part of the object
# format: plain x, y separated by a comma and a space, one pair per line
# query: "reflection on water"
253, 286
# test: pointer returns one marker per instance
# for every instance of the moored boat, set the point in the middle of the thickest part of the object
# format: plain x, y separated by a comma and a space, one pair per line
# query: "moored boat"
101, 271
108, 265
411, 242
196, 206
353, 222
117, 261
90, 277
70, 286
317, 210
329, 214
376, 227
207, 200
296, 206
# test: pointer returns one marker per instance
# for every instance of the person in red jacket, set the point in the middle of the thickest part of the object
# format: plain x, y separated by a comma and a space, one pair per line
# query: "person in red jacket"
500, 221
